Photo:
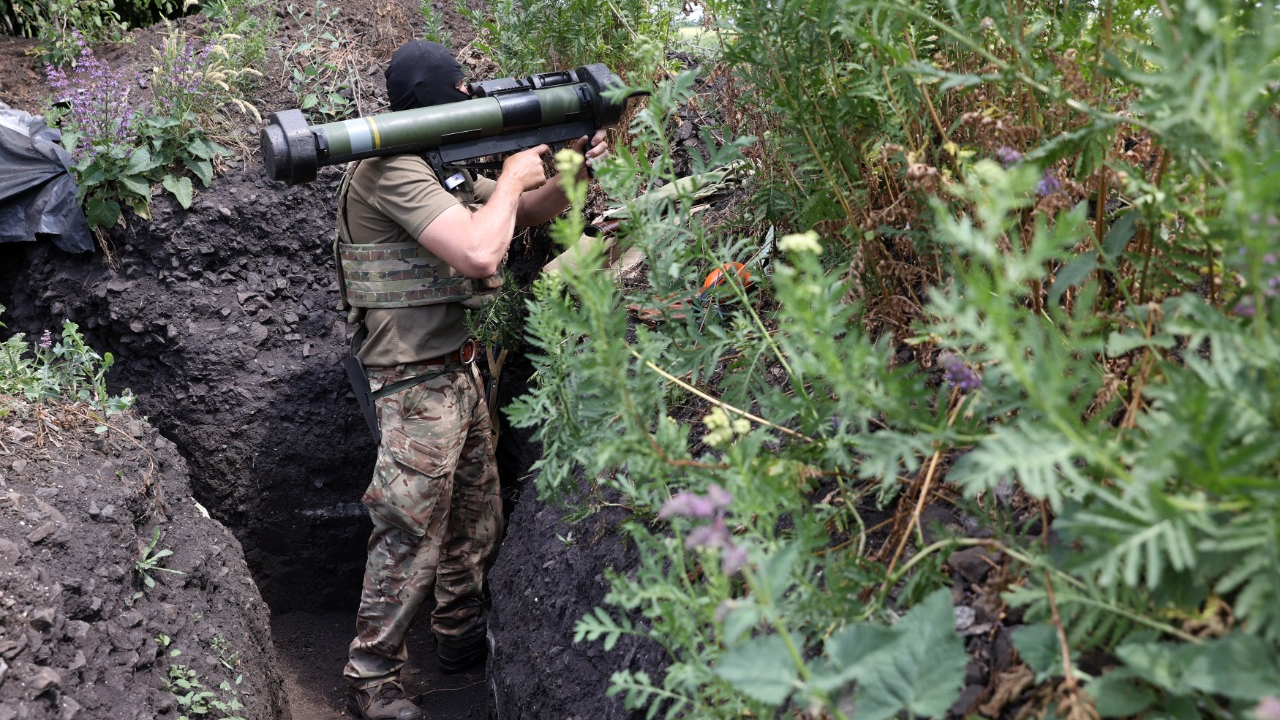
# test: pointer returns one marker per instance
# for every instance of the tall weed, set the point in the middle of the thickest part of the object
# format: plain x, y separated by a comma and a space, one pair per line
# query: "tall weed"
530, 36
1028, 271
321, 65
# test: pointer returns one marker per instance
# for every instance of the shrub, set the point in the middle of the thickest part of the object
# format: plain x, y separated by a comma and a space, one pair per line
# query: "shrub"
247, 31
322, 74
64, 26
1034, 281
542, 35
63, 369
53, 22
120, 152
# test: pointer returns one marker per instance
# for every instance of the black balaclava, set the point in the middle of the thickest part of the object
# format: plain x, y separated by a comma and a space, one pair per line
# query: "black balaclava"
421, 74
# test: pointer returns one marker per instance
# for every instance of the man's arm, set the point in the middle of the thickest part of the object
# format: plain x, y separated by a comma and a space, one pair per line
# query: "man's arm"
541, 205
475, 243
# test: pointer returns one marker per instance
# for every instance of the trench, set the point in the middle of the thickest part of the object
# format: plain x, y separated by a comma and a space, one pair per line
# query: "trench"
324, 542
274, 444
222, 323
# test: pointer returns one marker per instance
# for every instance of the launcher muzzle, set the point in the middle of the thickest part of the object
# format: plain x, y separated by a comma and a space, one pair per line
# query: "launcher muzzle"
504, 116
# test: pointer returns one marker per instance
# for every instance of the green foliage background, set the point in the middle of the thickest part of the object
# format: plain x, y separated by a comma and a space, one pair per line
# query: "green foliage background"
1076, 205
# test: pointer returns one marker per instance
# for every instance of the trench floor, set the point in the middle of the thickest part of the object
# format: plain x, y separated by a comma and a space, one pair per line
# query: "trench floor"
312, 648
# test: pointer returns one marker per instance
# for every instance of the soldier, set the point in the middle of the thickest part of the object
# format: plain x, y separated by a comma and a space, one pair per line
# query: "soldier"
418, 250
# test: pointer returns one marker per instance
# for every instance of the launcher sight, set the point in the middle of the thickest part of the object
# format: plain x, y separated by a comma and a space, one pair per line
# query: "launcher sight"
504, 116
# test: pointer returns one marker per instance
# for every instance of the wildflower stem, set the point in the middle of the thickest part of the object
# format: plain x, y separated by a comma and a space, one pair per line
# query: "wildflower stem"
717, 402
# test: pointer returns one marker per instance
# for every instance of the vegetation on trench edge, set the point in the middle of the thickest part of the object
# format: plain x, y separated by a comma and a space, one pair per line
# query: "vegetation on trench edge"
1027, 269
64, 369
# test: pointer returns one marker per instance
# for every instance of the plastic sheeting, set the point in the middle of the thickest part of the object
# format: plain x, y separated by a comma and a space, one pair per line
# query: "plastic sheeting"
37, 191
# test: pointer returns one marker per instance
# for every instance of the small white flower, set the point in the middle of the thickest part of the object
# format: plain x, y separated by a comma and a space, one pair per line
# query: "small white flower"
801, 242
716, 419
568, 162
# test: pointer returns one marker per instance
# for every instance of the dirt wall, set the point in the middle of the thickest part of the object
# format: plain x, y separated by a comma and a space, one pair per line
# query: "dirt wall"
222, 319
114, 584
550, 574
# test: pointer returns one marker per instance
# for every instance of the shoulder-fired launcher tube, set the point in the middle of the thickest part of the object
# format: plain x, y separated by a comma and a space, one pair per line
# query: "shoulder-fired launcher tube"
531, 113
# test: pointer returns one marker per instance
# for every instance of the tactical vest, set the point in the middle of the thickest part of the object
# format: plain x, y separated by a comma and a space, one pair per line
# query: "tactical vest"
398, 275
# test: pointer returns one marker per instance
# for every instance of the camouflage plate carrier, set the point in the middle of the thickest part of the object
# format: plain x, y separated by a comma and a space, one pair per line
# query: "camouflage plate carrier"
398, 275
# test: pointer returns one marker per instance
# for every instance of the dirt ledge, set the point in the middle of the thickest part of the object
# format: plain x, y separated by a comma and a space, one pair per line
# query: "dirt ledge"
81, 635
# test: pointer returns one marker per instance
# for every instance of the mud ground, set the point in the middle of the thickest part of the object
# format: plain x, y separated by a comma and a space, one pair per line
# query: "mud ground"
319, 644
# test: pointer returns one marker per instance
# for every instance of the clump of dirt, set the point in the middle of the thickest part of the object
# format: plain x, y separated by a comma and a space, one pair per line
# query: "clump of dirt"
97, 620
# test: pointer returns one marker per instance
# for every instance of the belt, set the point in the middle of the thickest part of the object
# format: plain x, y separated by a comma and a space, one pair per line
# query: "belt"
463, 356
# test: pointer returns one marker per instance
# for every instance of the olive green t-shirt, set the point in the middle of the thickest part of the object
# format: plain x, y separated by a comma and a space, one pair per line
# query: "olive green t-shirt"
393, 199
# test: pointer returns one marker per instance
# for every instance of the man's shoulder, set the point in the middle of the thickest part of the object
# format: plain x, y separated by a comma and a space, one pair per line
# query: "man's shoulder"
395, 168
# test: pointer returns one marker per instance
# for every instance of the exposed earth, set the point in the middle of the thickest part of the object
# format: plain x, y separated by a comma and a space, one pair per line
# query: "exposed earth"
246, 452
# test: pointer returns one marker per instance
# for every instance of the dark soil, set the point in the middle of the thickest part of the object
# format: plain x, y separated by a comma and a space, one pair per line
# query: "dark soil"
222, 322
537, 599
82, 633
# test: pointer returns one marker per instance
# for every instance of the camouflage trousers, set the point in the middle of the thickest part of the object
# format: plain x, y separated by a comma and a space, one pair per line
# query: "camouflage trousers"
437, 517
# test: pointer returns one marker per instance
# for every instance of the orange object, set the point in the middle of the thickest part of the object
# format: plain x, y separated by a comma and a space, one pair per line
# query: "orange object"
716, 277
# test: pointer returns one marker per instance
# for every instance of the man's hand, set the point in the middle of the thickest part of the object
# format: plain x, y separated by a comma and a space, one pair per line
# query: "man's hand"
526, 168
599, 148
549, 200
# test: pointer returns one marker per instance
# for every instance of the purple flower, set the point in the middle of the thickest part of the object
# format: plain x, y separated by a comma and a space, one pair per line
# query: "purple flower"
46, 340
1008, 156
958, 373
1048, 184
693, 505
714, 536
719, 497
734, 559
97, 102
1273, 286
1268, 708
1245, 308
711, 536
181, 80
687, 504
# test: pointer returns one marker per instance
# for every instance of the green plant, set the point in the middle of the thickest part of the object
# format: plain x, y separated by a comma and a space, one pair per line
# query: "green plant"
1077, 259
196, 702
66, 369
192, 83
322, 74
149, 561
95, 112
228, 656
528, 37
246, 30
434, 22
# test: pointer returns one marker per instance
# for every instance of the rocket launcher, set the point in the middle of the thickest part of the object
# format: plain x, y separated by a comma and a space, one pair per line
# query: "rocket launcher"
503, 116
